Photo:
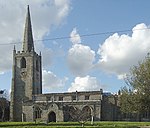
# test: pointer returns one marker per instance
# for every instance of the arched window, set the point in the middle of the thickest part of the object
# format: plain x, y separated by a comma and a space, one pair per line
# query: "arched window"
23, 62
37, 65
38, 112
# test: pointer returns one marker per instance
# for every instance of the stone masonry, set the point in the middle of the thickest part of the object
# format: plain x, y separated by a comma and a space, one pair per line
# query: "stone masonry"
29, 104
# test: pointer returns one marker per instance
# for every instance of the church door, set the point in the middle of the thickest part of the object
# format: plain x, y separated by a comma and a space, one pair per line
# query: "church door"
52, 117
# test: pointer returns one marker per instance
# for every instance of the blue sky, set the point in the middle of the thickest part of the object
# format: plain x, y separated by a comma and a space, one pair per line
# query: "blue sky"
78, 63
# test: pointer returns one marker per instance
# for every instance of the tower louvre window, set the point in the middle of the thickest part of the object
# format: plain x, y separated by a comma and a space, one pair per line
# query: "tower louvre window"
23, 62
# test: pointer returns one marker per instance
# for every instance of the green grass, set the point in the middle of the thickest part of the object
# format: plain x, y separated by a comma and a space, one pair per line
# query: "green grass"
102, 124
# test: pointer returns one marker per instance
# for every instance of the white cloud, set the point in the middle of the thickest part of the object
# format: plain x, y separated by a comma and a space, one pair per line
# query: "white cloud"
86, 83
51, 82
120, 52
44, 15
80, 59
75, 37
47, 55
6, 58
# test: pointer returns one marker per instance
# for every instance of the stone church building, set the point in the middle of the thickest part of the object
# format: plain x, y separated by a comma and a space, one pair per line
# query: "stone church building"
29, 104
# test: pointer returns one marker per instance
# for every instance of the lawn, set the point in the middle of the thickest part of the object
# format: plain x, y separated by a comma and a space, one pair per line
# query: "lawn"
73, 125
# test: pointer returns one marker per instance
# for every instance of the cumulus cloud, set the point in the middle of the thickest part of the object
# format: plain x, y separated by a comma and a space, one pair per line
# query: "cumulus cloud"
120, 52
80, 59
44, 15
51, 82
6, 58
86, 83
75, 37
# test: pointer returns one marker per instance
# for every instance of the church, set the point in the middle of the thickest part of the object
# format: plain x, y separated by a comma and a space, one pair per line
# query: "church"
29, 104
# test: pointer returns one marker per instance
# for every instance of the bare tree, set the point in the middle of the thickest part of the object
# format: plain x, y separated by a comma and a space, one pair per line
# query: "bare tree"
80, 115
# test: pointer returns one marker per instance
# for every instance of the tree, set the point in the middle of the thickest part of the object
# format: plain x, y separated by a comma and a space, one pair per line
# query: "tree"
136, 97
4, 106
80, 115
130, 104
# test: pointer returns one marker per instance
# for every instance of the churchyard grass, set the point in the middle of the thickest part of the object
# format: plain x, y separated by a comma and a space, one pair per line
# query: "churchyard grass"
102, 124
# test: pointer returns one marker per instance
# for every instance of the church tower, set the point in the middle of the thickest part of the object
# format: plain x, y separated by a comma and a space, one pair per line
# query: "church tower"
26, 73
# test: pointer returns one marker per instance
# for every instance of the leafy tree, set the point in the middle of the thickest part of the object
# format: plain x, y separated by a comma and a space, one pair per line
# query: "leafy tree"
136, 97
130, 103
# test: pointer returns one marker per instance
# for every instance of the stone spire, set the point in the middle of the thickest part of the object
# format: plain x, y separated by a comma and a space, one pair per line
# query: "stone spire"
28, 44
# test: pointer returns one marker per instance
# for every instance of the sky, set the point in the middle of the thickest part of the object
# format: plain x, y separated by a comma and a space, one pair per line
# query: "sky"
86, 45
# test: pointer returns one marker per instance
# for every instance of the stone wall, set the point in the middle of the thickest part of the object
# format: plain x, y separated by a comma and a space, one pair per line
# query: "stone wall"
102, 107
28, 114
